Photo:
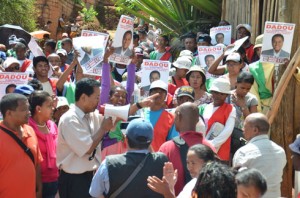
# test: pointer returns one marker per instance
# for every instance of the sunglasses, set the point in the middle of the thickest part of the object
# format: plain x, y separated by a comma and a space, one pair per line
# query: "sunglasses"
12, 68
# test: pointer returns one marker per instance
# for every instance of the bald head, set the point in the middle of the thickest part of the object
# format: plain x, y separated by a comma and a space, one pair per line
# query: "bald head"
187, 117
260, 121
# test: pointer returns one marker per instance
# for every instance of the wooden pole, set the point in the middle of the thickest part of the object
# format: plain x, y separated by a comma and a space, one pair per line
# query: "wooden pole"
284, 80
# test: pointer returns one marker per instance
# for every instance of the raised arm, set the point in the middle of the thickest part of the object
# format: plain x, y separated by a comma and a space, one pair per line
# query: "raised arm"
131, 77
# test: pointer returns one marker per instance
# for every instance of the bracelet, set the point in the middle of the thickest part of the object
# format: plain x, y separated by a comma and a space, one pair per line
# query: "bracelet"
138, 105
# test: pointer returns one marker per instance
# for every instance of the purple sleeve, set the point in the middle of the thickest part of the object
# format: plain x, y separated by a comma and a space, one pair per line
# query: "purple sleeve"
130, 81
105, 84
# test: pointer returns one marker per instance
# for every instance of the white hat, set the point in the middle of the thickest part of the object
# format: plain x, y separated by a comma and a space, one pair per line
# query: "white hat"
183, 63
62, 51
9, 61
221, 85
159, 84
233, 57
186, 53
62, 101
246, 26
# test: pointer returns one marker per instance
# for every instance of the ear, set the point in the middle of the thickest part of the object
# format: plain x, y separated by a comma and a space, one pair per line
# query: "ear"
38, 109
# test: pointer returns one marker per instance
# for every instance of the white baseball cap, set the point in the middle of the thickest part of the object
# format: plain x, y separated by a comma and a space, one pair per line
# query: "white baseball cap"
221, 85
233, 57
159, 84
246, 26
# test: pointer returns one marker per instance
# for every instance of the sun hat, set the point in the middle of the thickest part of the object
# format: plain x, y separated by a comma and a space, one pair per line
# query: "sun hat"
221, 85
258, 41
139, 131
246, 26
196, 68
61, 101
159, 84
186, 91
233, 57
183, 63
9, 61
295, 146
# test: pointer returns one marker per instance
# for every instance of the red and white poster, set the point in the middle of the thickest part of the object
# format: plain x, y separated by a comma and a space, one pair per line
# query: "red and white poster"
277, 42
220, 34
123, 41
8, 80
207, 55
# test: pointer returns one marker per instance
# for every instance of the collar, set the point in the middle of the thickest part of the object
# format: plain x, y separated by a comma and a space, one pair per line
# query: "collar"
26, 133
139, 151
259, 137
79, 112
187, 133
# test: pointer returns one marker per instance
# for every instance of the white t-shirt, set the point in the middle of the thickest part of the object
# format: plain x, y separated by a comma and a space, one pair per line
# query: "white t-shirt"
47, 87
188, 188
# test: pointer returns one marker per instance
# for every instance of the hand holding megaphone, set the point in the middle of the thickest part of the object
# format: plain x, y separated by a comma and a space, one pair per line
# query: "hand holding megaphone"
115, 112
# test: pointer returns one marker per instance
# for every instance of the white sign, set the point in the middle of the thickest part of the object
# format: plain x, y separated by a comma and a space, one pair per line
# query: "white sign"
221, 34
9, 79
123, 41
277, 42
237, 44
207, 55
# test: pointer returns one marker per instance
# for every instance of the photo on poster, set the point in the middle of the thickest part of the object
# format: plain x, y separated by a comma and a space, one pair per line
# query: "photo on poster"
91, 50
221, 34
153, 70
207, 55
123, 42
277, 42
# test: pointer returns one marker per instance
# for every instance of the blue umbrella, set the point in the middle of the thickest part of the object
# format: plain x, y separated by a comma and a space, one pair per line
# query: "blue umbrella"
7, 30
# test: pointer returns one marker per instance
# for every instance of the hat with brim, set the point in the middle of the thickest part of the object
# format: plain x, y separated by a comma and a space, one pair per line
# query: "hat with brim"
186, 91
258, 41
139, 131
221, 85
233, 57
246, 26
159, 84
9, 61
195, 68
295, 146
183, 63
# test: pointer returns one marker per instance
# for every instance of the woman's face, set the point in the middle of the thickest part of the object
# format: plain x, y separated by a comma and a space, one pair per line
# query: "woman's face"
234, 68
243, 88
127, 40
119, 97
195, 80
46, 110
194, 164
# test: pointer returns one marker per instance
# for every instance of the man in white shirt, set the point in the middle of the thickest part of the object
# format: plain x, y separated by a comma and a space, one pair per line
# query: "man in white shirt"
81, 130
261, 153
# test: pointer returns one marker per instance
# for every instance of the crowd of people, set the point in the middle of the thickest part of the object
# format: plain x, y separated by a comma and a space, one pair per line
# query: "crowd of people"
178, 140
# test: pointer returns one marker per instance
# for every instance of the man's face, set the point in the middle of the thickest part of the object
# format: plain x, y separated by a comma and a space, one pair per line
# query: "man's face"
92, 101
42, 69
154, 77
126, 40
161, 42
21, 114
241, 33
183, 99
140, 59
249, 130
67, 46
209, 60
160, 100
180, 73
218, 98
54, 60
20, 52
220, 38
190, 44
277, 43
119, 97
202, 43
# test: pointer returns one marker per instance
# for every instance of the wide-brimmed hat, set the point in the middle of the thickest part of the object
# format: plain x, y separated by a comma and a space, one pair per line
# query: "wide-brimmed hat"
258, 41
236, 57
246, 26
183, 63
139, 131
221, 85
196, 68
159, 84
186, 91
295, 146
9, 61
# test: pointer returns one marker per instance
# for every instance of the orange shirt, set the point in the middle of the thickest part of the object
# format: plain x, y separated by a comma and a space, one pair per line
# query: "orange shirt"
17, 172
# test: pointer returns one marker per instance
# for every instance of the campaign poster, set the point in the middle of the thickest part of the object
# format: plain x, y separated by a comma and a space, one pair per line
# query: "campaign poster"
11, 79
96, 71
277, 42
236, 45
221, 34
153, 70
207, 55
91, 49
123, 41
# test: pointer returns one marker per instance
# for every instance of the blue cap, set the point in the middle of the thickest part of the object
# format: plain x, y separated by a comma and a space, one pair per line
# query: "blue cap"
24, 89
139, 131
295, 146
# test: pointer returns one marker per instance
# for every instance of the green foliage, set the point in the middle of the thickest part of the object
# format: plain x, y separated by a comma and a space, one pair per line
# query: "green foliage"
18, 12
176, 16
88, 15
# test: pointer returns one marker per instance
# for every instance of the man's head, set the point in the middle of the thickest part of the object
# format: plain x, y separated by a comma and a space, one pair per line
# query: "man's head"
10, 88
139, 52
219, 38
182, 64
153, 76
160, 87
87, 94
15, 109
277, 42
54, 59
255, 124
49, 46
139, 134
209, 59
220, 89
204, 40
185, 94
243, 30
162, 41
20, 49
190, 41
63, 55
41, 66
127, 37
67, 44
186, 117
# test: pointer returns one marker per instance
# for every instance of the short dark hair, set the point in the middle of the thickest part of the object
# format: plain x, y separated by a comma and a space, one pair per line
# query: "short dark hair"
154, 72
242, 52
9, 86
114, 88
204, 152
252, 177
85, 86
208, 56
166, 38
278, 35
66, 40
219, 34
135, 36
37, 98
35, 84
10, 102
20, 45
202, 75
51, 43
134, 145
245, 77
216, 180
127, 32
38, 59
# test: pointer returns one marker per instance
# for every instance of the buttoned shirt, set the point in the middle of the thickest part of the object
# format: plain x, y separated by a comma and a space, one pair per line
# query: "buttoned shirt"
75, 138
267, 157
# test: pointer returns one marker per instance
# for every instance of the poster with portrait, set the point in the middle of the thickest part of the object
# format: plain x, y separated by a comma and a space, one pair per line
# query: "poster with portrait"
154, 70
11, 79
123, 41
220, 34
277, 42
207, 55
91, 50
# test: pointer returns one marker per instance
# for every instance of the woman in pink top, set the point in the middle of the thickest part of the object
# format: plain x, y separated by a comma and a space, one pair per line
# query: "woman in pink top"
41, 107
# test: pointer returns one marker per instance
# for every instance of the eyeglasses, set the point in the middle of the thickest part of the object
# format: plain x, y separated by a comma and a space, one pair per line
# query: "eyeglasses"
9, 69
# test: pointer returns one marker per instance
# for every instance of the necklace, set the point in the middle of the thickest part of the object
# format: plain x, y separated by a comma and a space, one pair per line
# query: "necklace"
41, 125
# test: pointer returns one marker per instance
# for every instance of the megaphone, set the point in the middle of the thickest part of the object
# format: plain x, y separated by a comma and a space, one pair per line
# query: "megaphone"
116, 112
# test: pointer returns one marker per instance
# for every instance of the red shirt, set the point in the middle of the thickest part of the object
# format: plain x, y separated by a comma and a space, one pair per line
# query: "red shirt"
172, 152
17, 172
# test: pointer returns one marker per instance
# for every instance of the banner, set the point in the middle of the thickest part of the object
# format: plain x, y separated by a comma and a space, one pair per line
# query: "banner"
207, 55
277, 42
10, 79
91, 51
221, 34
123, 41
154, 70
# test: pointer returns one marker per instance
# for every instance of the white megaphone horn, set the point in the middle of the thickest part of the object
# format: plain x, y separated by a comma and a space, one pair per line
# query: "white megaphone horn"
116, 112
